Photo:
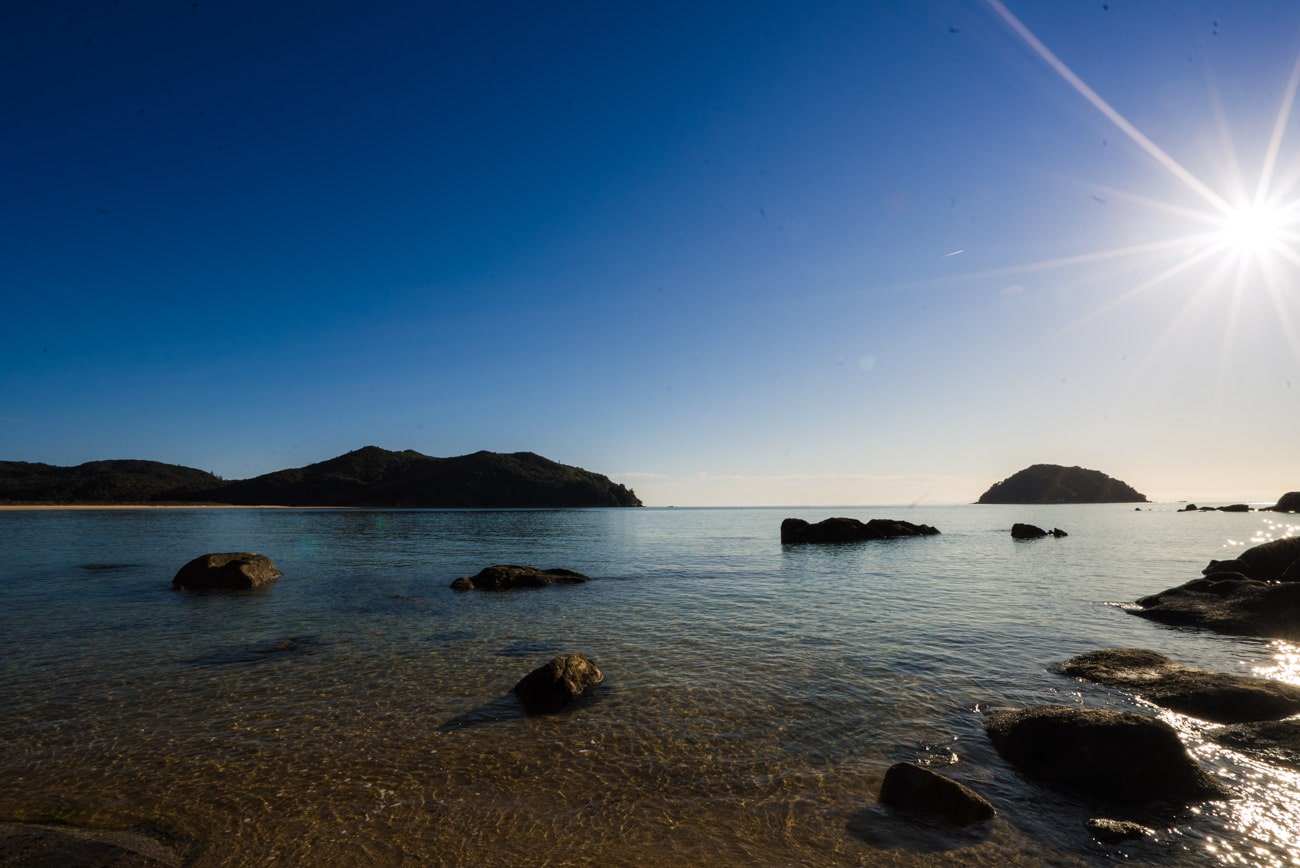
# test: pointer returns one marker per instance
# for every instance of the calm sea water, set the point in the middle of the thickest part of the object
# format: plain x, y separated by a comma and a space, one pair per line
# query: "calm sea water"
754, 695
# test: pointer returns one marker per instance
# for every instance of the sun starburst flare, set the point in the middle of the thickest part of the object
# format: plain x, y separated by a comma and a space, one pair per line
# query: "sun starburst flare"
1251, 239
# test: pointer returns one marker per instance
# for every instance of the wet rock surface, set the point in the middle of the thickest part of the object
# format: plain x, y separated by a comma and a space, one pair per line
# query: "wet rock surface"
1228, 603
1114, 755
1109, 831
1200, 693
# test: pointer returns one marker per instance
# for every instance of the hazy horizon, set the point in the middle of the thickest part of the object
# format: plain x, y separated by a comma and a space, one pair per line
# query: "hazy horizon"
771, 254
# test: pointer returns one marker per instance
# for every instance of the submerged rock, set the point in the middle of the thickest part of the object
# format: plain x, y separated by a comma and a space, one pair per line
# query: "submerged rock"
1115, 755
36, 844
1228, 603
1200, 693
506, 577
1274, 740
841, 530
228, 571
553, 686
1029, 531
915, 788
1109, 831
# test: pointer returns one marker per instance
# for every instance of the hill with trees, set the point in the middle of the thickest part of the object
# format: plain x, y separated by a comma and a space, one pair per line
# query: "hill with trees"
366, 477
1052, 483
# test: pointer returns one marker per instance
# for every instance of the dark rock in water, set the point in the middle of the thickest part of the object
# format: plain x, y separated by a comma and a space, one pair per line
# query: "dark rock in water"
915, 788
1052, 483
842, 530
1212, 696
1275, 740
1228, 603
1229, 566
1270, 560
555, 685
1115, 755
33, 844
229, 571
1029, 531
1289, 502
1191, 507
1235, 507
1109, 831
506, 577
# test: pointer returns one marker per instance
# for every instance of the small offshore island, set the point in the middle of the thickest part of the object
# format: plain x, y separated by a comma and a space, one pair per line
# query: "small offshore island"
366, 477
1052, 483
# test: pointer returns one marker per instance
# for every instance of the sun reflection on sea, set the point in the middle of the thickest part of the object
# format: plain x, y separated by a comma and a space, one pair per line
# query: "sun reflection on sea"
1287, 663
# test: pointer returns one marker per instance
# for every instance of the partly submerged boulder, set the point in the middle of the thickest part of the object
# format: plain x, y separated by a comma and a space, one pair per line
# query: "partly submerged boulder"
1270, 560
1228, 603
506, 577
1115, 755
1030, 531
226, 571
1109, 831
555, 685
915, 788
1212, 696
1289, 502
1274, 740
842, 530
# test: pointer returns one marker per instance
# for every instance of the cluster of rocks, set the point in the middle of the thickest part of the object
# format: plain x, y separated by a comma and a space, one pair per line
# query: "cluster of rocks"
1232, 507
548, 688
1135, 761
1255, 594
846, 530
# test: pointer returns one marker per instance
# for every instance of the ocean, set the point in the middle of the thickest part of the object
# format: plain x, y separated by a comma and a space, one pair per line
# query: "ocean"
358, 711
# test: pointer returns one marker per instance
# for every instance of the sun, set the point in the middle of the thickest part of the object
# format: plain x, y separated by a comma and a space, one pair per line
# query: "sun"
1254, 230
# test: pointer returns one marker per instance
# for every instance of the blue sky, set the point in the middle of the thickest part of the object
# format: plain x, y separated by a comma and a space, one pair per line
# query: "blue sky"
749, 253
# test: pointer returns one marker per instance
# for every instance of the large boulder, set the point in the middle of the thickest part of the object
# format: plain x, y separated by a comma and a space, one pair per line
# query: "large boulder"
226, 571
506, 577
1289, 502
843, 530
1212, 696
1115, 755
1270, 560
553, 686
1228, 603
1275, 740
915, 788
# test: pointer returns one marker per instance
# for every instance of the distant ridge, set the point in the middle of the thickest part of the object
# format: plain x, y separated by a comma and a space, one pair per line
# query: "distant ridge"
1052, 483
369, 476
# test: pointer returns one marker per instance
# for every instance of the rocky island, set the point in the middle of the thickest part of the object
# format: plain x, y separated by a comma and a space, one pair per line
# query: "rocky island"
1052, 483
366, 477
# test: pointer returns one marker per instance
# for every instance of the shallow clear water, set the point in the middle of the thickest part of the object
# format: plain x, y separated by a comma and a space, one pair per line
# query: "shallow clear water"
754, 694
